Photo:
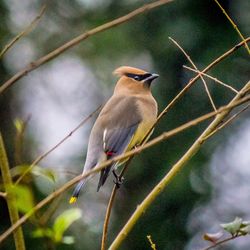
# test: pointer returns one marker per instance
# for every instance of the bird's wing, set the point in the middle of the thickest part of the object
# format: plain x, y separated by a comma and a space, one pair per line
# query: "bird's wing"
119, 129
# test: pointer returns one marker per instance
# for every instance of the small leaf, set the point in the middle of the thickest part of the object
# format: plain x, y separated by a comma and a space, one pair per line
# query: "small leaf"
36, 170
43, 232
68, 240
245, 230
233, 227
23, 196
213, 237
63, 221
44, 172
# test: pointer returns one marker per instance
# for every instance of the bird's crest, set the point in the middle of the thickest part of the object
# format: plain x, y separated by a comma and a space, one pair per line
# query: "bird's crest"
124, 70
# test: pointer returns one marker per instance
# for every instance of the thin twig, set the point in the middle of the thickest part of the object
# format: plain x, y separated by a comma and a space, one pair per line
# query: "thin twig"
41, 157
50, 211
153, 142
227, 121
32, 66
152, 244
112, 196
222, 241
10, 198
24, 32
140, 210
192, 81
213, 78
110, 205
234, 25
200, 75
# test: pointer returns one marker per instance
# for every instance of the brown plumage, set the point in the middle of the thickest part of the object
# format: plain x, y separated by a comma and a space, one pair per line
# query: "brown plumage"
123, 122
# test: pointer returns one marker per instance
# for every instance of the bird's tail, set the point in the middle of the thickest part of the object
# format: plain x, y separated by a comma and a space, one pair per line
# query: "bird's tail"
76, 192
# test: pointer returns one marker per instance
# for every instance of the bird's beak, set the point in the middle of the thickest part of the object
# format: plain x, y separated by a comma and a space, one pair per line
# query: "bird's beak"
151, 78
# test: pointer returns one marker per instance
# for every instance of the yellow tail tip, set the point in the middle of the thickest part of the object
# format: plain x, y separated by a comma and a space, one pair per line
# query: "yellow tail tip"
72, 199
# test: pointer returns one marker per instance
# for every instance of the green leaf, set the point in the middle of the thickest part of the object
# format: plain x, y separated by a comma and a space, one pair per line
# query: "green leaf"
68, 240
43, 232
233, 227
63, 221
245, 230
36, 170
23, 196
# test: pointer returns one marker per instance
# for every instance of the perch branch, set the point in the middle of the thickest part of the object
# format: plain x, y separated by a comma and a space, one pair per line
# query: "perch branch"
162, 137
173, 171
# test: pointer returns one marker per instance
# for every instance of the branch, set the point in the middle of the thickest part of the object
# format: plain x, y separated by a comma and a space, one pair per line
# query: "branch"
140, 210
200, 75
110, 206
213, 78
112, 196
41, 157
24, 32
162, 137
192, 81
32, 66
223, 241
10, 198
233, 24
228, 121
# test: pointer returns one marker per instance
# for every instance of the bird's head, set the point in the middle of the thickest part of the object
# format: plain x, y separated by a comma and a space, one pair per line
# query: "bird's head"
134, 80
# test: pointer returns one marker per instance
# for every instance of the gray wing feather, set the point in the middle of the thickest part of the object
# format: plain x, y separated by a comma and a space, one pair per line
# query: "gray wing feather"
119, 131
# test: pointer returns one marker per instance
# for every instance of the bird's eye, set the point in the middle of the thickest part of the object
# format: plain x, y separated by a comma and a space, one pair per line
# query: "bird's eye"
137, 78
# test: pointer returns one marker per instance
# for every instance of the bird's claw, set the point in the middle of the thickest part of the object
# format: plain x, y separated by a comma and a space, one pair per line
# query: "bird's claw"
118, 179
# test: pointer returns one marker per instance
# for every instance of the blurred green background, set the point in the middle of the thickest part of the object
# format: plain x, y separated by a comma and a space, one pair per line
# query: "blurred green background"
212, 188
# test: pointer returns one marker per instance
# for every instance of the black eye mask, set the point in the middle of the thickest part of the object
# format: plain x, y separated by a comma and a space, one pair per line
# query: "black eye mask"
138, 77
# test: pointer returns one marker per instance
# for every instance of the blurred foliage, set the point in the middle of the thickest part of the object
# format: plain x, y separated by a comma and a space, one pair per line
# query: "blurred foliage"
205, 33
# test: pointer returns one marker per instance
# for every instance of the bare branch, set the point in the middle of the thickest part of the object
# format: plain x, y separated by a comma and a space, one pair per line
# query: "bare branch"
41, 157
192, 81
34, 65
173, 171
110, 206
162, 137
227, 122
223, 241
233, 24
200, 75
213, 78
24, 32
10, 198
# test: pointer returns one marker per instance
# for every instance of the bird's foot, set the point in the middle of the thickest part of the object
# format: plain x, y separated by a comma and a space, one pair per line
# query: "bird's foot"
118, 179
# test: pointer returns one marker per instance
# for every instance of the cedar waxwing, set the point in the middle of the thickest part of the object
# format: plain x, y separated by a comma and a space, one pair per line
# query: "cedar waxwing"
123, 122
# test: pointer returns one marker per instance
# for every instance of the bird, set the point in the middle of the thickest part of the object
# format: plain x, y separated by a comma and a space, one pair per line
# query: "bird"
124, 121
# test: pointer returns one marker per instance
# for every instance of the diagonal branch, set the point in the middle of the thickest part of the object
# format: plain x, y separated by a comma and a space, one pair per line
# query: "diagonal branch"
162, 137
41, 157
192, 81
140, 210
34, 65
10, 198
200, 75
233, 24
24, 32
213, 78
